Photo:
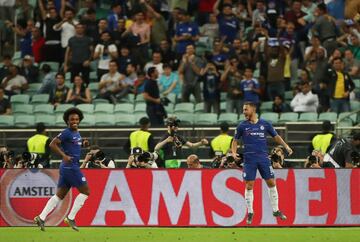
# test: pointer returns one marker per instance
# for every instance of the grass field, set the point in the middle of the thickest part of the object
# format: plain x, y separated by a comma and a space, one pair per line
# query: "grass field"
88, 234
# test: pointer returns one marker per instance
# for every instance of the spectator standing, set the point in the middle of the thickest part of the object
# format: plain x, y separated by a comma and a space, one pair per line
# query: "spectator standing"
228, 23
5, 107
325, 28
154, 108
29, 70
231, 78
67, 28
187, 33
37, 45
124, 59
52, 48
105, 51
305, 101
168, 56
79, 94
339, 86
78, 54
4, 69
61, 90
250, 87
169, 82
211, 90
113, 17
190, 68
14, 83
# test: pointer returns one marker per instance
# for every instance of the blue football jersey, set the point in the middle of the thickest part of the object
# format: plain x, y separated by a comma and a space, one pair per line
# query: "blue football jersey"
71, 145
253, 137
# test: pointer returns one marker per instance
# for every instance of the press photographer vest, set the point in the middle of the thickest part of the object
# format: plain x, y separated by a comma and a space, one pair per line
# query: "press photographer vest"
36, 144
221, 143
140, 139
322, 142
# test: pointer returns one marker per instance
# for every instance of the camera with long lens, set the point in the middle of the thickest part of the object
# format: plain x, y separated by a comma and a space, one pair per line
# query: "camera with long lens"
275, 158
100, 155
147, 158
230, 161
6, 155
217, 160
30, 159
165, 101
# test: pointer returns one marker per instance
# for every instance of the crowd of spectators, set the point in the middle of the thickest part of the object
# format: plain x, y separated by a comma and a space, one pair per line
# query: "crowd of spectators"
253, 50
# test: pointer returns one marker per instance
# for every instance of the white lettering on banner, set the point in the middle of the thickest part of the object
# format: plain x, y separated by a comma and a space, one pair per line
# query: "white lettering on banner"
343, 184
229, 197
267, 217
191, 185
304, 196
117, 181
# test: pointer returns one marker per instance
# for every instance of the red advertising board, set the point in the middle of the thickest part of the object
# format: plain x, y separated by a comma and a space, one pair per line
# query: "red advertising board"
214, 197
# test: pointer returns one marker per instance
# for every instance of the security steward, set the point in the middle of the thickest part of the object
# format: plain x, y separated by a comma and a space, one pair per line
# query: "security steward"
223, 141
39, 144
325, 139
141, 138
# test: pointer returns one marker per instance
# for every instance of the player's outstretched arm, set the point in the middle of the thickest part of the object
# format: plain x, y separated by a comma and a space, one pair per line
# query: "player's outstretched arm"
280, 141
54, 145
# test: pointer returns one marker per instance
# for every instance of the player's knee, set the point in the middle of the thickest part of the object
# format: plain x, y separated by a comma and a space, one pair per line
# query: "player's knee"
270, 183
249, 186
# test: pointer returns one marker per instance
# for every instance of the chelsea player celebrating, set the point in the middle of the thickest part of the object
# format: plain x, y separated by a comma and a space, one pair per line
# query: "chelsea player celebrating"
70, 175
253, 132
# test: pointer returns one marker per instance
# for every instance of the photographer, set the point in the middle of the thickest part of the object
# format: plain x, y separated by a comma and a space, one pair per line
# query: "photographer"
140, 159
193, 162
6, 158
340, 154
171, 144
314, 160
277, 157
96, 158
29, 160
226, 161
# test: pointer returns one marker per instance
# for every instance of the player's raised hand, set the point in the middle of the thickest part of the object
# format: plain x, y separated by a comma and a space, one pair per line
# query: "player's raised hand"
289, 150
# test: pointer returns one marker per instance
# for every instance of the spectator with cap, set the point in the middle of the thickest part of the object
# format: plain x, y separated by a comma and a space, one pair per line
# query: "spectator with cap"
141, 138
14, 83
79, 54
39, 144
154, 109
339, 85
187, 32
305, 101
325, 139
29, 70
222, 142
5, 107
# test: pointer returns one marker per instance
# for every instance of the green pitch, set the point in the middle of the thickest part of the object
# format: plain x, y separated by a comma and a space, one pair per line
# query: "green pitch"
97, 234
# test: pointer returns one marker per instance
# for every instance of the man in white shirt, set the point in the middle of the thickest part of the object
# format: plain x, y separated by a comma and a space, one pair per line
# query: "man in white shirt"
156, 62
305, 101
111, 83
67, 27
14, 83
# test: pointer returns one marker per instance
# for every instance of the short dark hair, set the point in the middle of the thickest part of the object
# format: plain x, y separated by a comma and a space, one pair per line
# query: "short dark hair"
91, 11
60, 74
356, 136
151, 71
140, 73
337, 58
166, 65
7, 57
144, 121
326, 126
251, 104
70, 111
113, 61
46, 68
114, 5
322, 7
224, 127
40, 127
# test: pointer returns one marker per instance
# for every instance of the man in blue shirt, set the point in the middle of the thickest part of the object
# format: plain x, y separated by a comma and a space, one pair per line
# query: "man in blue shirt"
113, 17
187, 32
253, 132
68, 145
228, 23
250, 87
